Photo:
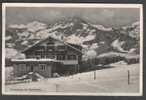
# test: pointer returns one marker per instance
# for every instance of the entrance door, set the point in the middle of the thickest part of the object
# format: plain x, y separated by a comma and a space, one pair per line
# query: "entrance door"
31, 68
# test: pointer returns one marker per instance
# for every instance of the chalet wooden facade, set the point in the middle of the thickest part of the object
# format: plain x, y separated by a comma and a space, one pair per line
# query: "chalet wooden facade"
49, 56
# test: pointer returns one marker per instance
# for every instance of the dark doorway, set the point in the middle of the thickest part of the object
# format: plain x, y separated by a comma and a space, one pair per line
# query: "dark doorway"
31, 68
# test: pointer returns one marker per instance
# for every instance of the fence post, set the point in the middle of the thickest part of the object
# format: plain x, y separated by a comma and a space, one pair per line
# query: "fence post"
56, 87
78, 68
94, 74
128, 77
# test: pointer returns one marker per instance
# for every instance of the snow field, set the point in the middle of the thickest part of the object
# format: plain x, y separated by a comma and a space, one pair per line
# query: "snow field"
112, 80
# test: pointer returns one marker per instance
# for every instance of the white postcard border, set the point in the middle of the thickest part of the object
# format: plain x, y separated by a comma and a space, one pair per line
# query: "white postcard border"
66, 5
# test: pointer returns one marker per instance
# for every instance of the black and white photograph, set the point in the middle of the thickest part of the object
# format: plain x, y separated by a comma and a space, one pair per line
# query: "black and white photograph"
72, 49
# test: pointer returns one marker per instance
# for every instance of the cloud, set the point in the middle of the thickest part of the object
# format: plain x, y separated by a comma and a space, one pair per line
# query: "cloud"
54, 13
107, 13
105, 16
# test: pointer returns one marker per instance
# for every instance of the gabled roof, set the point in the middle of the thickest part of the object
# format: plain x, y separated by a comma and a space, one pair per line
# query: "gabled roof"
41, 41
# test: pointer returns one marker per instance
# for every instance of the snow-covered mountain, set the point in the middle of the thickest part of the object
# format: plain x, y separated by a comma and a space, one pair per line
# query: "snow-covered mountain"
95, 39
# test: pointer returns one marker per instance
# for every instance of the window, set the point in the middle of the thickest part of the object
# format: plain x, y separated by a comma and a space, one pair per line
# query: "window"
30, 55
60, 57
50, 42
50, 56
40, 54
22, 67
42, 66
28, 67
71, 57
50, 48
61, 48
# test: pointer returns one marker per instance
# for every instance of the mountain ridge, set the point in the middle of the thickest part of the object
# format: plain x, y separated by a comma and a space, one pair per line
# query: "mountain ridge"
96, 39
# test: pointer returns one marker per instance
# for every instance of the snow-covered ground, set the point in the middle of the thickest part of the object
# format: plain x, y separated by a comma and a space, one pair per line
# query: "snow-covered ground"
110, 80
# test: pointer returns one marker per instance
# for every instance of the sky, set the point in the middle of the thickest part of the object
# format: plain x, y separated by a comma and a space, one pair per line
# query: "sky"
109, 17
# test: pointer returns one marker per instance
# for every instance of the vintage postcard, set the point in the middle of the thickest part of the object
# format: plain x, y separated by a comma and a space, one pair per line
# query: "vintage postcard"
72, 49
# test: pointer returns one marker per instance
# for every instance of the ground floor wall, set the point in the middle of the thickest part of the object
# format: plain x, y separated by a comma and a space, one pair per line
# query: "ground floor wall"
43, 69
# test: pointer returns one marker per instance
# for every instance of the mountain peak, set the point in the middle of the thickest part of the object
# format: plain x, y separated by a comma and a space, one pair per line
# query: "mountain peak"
32, 26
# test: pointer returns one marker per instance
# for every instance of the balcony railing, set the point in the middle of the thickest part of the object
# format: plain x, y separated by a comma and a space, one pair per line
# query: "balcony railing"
69, 62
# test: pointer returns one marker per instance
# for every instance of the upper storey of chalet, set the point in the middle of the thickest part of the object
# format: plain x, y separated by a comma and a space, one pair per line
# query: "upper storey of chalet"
52, 47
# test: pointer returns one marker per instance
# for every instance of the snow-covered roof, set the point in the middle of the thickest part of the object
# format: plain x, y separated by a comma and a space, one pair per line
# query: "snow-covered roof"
133, 56
34, 60
111, 54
